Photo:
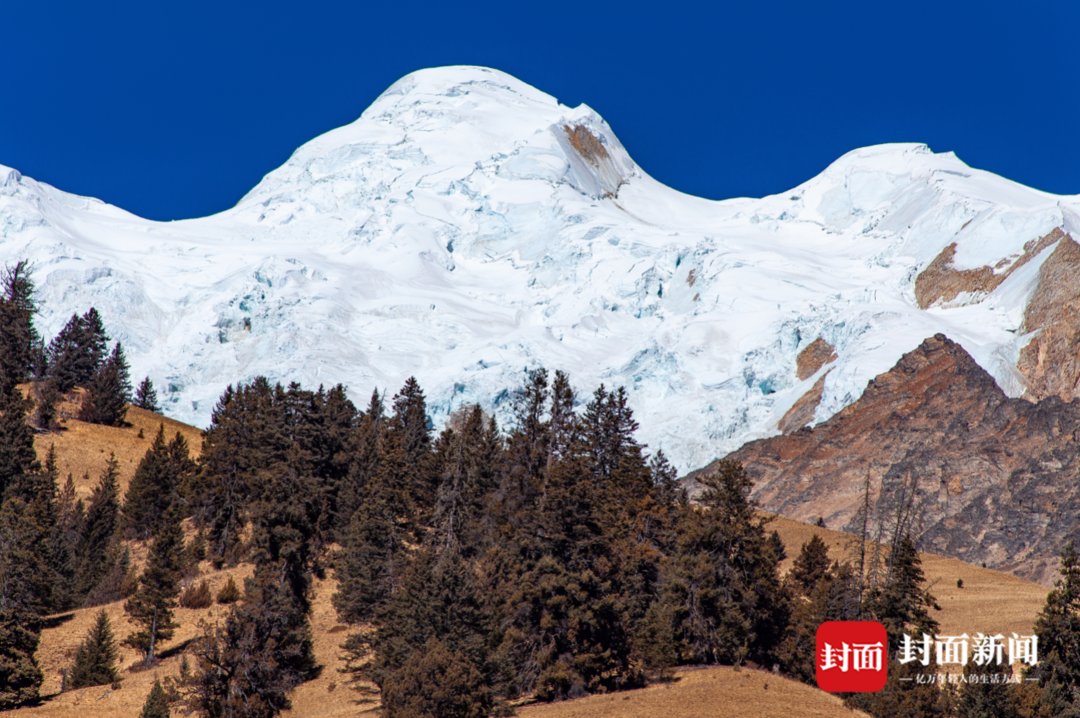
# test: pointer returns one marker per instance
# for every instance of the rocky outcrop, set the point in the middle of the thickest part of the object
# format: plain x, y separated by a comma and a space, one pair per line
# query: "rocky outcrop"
803, 410
814, 355
993, 478
941, 282
1050, 363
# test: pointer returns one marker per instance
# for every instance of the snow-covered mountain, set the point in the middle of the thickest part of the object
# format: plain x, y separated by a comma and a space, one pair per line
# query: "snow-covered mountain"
468, 227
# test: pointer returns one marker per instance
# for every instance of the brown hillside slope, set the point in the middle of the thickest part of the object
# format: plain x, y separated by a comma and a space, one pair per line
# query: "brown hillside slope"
705, 693
995, 477
84, 449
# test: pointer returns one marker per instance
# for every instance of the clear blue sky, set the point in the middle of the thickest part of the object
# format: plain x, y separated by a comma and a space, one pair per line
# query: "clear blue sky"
175, 110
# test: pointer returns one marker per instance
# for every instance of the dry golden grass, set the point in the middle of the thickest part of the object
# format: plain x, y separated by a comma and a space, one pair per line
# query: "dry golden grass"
83, 449
988, 601
705, 693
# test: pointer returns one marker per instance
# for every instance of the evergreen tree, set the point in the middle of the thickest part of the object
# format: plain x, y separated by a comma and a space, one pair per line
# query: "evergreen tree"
98, 531
108, 392
18, 337
25, 592
20, 676
157, 703
365, 447
46, 397
811, 566
248, 666
902, 601
146, 396
95, 659
1058, 629
244, 438
722, 582
78, 351
368, 565
17, 456
985, 700
439, 597
435, 681
407, 461
155, 485
151, 608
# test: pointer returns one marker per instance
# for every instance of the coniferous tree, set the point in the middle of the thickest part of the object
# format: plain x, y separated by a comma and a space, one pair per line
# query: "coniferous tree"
46, 397
157, 703
811, 566
17, 456
78, 351
27, 516
1058, 629
368, 566
151, 607
722, 582
146, 396
408, 463
363, 466
435, 681
94, 340
18, 337
108, 392
248, 666
156, 484
24, 595
99, 528
95, 659
242, 439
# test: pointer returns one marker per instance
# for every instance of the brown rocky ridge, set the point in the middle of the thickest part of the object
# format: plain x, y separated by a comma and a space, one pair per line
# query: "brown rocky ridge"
990, 479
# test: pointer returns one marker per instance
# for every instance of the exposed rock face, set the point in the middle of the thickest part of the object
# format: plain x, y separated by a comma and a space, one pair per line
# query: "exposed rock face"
995, 478
941, 282
802, 411
815, 355
1050, 362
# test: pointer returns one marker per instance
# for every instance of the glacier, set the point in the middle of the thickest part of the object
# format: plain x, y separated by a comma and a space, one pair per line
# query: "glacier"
468, 227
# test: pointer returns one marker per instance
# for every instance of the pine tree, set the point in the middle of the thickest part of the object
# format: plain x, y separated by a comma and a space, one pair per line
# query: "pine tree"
244, 438
20, 676
722, 581
439, 597
811, 566
368, 564
155, 485
157, 703
78, 351
435, 681
151, 608
248, 666
98, 531
408, 453
985, 700
18, 337
902, 601
46, 397
1058, 629
17, 456
27, 517
146, 397
363, 466
108, 392
95, 659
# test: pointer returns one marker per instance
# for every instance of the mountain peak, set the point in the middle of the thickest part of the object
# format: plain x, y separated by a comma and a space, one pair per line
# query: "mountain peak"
468, 226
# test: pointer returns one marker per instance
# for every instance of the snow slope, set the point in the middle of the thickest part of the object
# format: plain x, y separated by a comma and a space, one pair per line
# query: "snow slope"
468, 227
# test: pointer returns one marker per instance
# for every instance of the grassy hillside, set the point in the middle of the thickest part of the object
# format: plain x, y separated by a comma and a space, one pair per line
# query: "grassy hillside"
988, 601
